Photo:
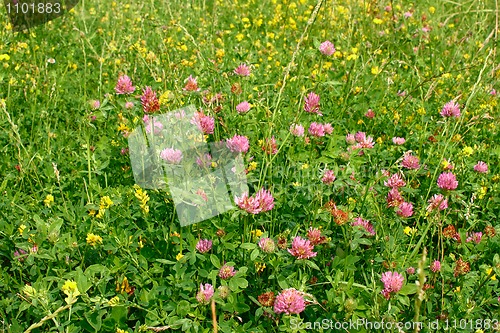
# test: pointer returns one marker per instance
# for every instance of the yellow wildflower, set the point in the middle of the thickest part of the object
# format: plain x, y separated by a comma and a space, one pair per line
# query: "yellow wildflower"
482, 192
488, 272
256, 233
377, 21
252, 166
179, 256
105, 202
123, 127
409, 231
467, 151
21, 229
114, 302
70, 288
143, 198
93, 240
49, 199
259, 267
4, 57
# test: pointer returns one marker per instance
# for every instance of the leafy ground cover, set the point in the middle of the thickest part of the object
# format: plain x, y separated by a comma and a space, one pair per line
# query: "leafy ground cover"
369, 135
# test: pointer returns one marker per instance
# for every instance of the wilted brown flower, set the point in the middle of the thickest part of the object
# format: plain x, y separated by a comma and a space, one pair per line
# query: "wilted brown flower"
266, 299
451, 232
489, 231
282, 242
461, 267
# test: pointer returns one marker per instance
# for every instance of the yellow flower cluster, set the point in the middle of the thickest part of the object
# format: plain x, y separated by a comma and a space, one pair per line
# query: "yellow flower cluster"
21, 229
104, 204
259, 267
93, 240
70, 288
49, 199
143, 198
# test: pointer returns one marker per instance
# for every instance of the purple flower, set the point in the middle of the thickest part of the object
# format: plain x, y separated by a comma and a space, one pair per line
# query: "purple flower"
481, 167
205, 294
243, 107
263, 201
437, 201
475, 237
302, 248
451, 109
327, 48
204, 245
405, 209
364, 224
398, 141
447, 181
242, 70
410, 162
311, 104
435, 266
289, 301
297, 130
171, 155
238, 144
149, 101
124, 85
350, 139
316, 129
205, 123
395, 181
393, 282
328, 177
226, 272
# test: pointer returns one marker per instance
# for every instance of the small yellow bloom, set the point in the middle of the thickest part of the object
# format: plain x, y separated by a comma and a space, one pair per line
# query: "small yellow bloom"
256, 233
118, 330
49, 199
351, 201
377, 21
488, 271
70, 287
93, 240
105, 202
376, 70
252, 166
432, 10
4, 57
305, 166
409, 231
21, 229
482, 192
114, 301
467, 151
259, 267
457, 289
123, 127
179, 256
